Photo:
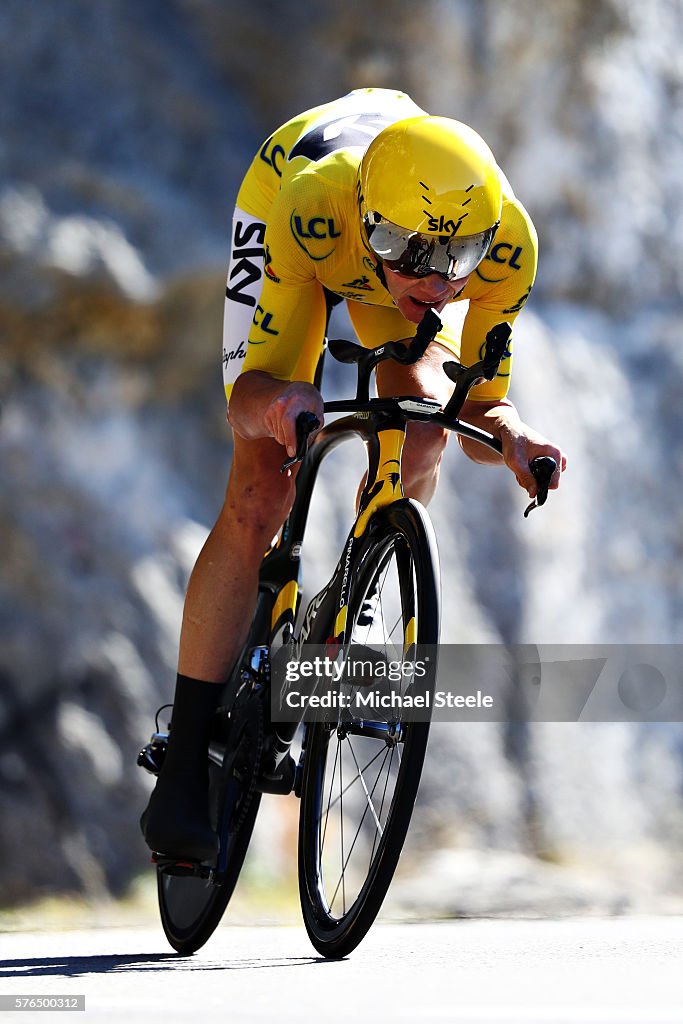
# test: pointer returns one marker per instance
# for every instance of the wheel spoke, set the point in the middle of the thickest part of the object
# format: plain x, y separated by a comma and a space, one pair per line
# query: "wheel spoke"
341, 809
327, 813
355, 838
384, 794
333, 803
361, 776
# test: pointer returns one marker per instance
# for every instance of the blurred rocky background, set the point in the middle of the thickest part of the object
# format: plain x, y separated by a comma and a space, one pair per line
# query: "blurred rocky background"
125, 129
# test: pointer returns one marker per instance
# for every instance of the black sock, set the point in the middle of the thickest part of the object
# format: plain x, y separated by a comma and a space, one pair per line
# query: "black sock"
194, 706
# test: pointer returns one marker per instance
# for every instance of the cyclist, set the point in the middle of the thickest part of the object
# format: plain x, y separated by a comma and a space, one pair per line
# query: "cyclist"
372, 200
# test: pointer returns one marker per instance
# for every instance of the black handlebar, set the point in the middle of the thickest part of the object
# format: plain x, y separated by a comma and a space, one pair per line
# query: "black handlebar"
427, 329
465, 377
542, 468
368, 358
306, 423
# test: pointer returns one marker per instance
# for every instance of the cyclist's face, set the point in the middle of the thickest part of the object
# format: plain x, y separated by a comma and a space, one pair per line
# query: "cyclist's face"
413, 295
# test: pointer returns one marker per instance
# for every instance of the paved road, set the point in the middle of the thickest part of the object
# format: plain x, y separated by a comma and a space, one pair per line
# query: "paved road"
621, 971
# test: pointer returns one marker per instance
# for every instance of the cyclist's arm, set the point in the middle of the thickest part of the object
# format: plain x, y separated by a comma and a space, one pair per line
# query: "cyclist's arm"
263, 406
284, 339
498, 290
521, 443
269, 394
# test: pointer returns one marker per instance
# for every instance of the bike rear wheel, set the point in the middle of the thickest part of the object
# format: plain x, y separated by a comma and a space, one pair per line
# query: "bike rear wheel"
360, 778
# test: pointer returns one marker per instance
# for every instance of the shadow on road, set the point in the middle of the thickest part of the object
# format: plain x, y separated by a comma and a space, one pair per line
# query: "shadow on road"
113, 963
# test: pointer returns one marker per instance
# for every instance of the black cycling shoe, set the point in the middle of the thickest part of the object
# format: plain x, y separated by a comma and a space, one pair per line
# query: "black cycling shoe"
175, 822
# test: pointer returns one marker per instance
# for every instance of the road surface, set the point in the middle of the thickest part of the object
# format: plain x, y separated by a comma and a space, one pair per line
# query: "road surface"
623, 970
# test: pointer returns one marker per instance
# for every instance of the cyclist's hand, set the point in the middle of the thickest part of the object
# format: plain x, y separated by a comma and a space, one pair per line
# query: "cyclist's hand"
521, 444
280, 416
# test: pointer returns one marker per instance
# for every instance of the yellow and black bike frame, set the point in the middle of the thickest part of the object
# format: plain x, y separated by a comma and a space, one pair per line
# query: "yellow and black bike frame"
381, 424
280, 577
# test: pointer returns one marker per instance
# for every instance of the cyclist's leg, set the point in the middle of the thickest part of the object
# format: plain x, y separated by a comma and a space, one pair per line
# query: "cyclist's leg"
182, 782
218, 610
222, 591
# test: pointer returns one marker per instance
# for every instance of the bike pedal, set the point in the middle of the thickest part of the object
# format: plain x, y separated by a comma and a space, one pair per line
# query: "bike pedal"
283, 782
182, 868
152, 755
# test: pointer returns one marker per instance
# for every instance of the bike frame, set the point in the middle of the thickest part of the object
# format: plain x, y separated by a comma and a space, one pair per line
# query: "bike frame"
381, 424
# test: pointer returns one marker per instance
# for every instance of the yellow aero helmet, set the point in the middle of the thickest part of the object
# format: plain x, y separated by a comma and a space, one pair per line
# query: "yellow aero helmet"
431, 175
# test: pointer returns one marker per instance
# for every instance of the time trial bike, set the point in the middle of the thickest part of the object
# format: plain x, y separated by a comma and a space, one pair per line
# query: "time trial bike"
356, 776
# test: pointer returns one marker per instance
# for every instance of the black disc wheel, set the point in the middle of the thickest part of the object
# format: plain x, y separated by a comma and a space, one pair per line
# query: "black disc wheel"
360, 777
192, 901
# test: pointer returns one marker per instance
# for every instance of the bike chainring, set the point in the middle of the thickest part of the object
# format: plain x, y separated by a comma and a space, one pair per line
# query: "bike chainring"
244, 726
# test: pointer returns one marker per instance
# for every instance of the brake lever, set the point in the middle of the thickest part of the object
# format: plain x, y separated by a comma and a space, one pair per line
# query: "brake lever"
542, 468
306, 423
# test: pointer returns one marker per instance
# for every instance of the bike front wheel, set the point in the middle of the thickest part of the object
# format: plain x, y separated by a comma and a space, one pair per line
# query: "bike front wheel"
360, 778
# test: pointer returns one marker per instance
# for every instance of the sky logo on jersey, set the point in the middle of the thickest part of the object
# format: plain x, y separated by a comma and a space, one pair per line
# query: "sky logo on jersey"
309, 231
246, 262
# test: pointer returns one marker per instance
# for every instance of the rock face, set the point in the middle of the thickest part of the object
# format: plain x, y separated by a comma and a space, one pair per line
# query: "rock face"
125, 129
